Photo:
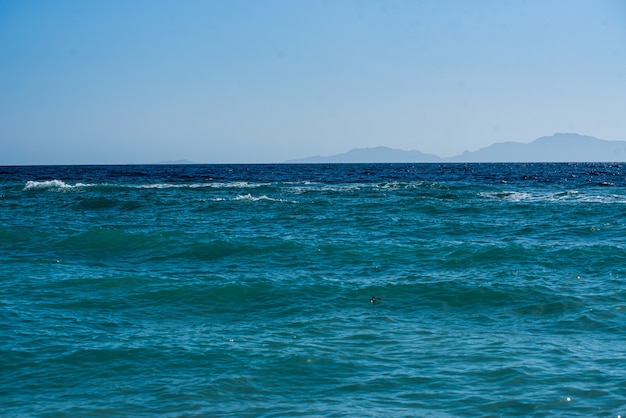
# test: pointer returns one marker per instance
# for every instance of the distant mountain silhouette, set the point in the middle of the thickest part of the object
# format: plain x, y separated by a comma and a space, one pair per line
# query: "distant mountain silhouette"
368, 155
176, 162
560, 147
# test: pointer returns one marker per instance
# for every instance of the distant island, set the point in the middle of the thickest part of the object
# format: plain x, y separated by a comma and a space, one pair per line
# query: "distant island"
560, 147
176, 162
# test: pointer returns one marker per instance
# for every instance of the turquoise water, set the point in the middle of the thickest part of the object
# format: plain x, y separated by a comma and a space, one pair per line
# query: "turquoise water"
245, 290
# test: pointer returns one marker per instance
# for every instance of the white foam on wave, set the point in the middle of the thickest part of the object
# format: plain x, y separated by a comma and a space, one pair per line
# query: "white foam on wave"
612, 198
251, 198
566, 196
53, 184
398, 185
160, 186
248, 197
315, 187
240, 185
394, 185
343, 187
507, 195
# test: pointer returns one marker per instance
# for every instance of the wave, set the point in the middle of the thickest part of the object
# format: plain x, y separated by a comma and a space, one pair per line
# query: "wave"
53, 184
60, 184
112, 246
291, 187
218, 185
566, 196
249, 197
303, 187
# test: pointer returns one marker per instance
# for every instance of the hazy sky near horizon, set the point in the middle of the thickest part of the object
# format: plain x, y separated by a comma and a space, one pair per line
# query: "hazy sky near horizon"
142, 81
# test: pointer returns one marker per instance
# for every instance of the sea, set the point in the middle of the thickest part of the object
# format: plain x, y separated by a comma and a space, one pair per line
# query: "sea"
313, 290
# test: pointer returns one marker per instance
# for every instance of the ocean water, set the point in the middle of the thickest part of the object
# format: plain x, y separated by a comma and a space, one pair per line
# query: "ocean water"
245, 290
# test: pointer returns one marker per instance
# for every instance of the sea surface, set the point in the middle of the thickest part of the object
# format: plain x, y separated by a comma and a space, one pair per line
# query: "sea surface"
245, 290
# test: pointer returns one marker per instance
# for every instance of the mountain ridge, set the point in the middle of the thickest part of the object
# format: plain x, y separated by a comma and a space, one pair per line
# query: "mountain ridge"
559, 147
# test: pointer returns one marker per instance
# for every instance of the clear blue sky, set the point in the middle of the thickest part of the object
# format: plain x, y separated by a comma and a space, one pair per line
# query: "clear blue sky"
131, 81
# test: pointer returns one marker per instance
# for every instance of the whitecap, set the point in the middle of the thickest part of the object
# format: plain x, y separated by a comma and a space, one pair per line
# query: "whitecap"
252, 198
507, 195
566, 196
159, 186
240, 185
52, 184
249, 197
